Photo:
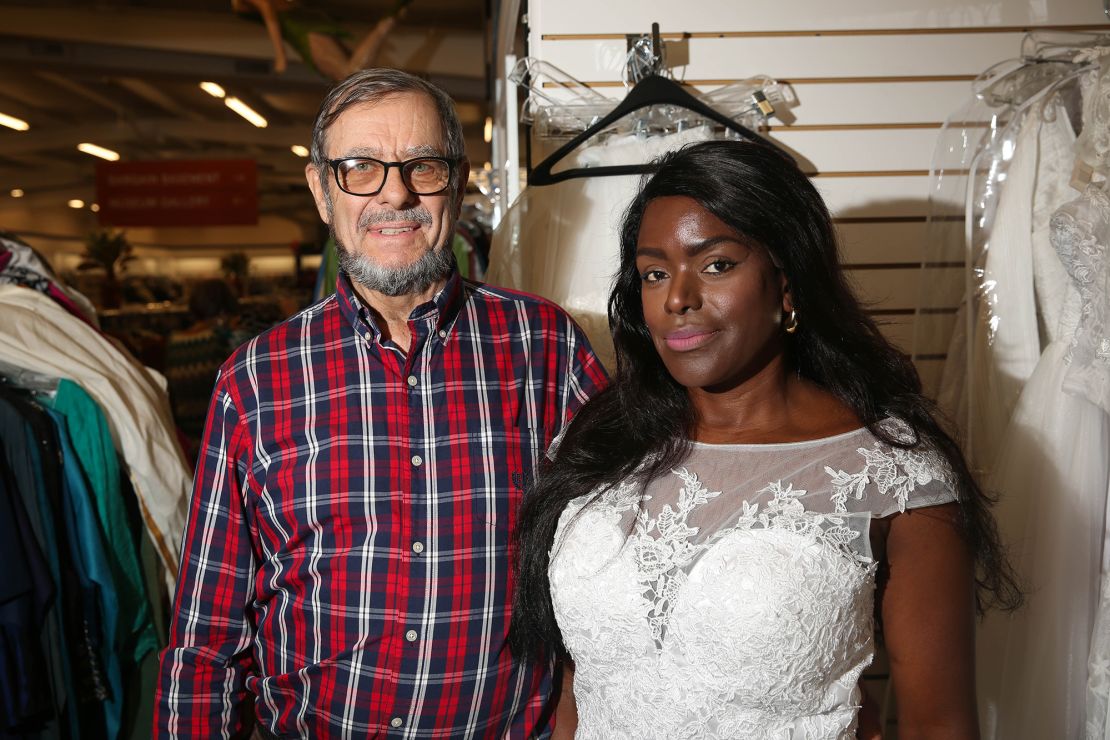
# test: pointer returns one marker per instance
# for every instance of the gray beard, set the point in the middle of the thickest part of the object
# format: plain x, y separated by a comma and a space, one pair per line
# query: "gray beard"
433, 266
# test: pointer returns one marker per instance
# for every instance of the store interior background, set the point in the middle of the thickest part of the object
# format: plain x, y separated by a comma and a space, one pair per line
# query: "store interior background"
126, 75
874, 81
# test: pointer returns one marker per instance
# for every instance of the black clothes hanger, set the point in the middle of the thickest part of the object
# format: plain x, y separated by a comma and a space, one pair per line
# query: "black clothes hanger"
652, 90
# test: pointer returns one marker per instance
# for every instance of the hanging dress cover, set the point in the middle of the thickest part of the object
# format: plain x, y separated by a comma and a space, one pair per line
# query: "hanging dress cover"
1051, 473
980, 217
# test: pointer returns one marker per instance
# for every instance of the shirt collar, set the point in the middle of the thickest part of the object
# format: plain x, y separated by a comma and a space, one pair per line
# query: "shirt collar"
441, 310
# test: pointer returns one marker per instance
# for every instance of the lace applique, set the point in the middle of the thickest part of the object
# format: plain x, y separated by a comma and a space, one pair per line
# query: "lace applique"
661, 560
785, 512
896, 472
1076, 228
662, 548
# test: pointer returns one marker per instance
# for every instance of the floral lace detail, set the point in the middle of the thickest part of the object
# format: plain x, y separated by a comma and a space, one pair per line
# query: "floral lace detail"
896, 472
785, 512
661, 559
746, 636
1076, 229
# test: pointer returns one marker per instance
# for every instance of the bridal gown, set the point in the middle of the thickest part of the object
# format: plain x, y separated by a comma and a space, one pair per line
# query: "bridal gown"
737, 601
1052, 477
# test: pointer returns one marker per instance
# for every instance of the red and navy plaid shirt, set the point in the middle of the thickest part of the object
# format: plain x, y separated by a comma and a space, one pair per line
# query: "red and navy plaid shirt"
345, 566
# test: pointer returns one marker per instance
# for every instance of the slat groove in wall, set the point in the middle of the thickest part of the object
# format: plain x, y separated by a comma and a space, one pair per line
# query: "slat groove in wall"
670, 36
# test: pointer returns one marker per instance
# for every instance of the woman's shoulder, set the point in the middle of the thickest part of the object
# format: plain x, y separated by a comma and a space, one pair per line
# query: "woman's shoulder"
887, 471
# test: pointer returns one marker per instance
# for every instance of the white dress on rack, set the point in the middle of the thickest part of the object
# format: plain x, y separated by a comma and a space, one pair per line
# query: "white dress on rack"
1052, 478
562, 241
996, 342
737, 601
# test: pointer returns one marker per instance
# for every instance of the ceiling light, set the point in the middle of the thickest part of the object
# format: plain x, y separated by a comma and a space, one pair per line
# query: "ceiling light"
245, 111
213, 89
12, 122
487, 132
299, 150
17, 192
98, 151
76, 203
95, 208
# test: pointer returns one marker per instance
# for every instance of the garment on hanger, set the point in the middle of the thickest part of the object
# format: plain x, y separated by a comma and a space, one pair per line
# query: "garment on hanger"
1030, 682
562, 241
100, 605
21, 265
980, 217
1052, 477
37, 334
91, 441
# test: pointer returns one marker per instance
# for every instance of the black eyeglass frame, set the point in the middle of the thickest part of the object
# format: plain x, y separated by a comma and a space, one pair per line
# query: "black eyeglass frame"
452, 164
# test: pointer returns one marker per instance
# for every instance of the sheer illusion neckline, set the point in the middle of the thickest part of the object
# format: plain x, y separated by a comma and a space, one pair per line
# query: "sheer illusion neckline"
777, 445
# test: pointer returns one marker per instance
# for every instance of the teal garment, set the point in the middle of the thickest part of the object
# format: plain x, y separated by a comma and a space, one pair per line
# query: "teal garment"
92, 445
95, 571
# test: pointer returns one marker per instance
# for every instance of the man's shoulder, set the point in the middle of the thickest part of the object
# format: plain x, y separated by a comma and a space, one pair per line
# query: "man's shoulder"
498, 298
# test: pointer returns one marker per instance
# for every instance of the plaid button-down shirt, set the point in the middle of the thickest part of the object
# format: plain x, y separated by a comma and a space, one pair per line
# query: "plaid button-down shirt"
346, 555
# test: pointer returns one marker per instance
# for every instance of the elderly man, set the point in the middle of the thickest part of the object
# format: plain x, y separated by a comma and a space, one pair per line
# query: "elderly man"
345, 570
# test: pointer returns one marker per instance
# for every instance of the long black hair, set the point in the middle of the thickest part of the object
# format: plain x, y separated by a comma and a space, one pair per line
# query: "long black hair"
646, 415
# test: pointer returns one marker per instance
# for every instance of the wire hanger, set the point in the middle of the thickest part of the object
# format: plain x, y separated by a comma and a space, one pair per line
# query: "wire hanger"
653, 89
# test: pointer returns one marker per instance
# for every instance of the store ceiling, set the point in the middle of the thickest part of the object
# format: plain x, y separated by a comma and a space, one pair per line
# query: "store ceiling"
125, 74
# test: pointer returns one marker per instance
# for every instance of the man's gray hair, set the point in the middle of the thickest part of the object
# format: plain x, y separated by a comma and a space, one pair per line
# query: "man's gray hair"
370, 86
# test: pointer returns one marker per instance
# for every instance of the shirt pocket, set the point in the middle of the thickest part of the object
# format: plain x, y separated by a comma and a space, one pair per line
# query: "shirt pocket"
514, 471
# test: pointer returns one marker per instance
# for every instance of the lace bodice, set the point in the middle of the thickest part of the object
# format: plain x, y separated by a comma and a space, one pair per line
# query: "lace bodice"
736, 601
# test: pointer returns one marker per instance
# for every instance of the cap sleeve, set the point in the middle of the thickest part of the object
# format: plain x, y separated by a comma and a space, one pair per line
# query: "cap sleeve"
884, 480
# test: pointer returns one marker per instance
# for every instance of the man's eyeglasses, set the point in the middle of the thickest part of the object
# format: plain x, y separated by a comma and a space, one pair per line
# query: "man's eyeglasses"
366, 175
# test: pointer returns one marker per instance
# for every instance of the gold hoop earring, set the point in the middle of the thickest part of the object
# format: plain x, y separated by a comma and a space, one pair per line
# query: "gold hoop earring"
792, 322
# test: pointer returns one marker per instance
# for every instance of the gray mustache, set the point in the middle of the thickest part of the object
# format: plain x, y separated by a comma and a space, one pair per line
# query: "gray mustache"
419, 215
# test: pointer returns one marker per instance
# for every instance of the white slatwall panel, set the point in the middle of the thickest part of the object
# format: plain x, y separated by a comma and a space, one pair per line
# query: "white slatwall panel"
628, 16
788, 57
874, 80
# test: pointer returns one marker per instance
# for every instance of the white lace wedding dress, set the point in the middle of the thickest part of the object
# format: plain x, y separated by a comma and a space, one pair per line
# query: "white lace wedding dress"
1052, 477
737, 601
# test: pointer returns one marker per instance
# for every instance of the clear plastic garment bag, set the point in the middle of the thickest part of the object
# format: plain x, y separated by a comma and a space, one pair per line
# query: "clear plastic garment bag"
1019, 209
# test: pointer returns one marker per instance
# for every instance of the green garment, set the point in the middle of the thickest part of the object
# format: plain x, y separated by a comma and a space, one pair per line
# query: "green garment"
92, 444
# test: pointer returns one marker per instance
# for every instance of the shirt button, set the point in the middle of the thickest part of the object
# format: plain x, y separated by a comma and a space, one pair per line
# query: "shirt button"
411, 635
396, 722
412, 381
442, 333
418, 547
417, 460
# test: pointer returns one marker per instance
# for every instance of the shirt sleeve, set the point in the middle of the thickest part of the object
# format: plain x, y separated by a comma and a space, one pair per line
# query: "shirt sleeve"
585, 374
203, 670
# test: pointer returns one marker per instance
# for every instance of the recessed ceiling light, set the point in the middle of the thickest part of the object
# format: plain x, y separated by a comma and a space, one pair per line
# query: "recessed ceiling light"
299, 150
98, 151
95, 208
76, 203
213, 89
17, 192
245, 111
12, 122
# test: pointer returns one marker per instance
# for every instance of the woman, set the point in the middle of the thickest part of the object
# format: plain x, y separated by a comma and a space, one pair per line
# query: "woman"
718, 528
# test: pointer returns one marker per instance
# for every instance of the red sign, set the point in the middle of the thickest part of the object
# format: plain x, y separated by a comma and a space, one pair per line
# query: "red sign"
178, 193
